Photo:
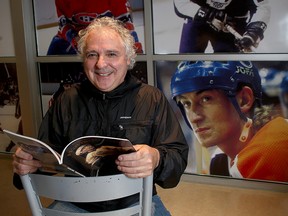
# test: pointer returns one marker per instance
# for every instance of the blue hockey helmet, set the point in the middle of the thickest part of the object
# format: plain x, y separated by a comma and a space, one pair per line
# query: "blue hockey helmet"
203, 75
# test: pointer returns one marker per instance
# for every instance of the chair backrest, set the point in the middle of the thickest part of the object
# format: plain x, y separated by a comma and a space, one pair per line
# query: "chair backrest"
87, 189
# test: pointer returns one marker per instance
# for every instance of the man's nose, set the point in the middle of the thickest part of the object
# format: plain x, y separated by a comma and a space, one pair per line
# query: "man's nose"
101, 62
194, 114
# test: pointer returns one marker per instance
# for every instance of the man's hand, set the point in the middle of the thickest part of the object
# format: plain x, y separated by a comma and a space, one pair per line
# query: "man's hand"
23, 163
139, 164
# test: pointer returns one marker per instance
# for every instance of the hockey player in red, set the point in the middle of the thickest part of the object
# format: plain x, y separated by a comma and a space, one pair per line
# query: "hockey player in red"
75, 15
221, 102
229, 25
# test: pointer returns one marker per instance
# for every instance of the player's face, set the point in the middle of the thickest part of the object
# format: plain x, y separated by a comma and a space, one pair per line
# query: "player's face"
105, 60
212, 116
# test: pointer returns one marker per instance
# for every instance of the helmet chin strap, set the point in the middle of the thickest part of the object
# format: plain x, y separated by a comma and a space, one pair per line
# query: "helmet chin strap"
246, 128
245, 131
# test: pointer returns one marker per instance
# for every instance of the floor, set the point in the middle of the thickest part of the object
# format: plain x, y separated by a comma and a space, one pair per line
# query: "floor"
12, 201
186, 199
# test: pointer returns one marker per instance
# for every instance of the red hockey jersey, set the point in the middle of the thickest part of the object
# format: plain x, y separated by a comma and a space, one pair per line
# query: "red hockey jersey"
75, 15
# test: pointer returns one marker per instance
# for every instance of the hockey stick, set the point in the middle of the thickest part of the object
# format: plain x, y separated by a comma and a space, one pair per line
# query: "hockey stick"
239, 37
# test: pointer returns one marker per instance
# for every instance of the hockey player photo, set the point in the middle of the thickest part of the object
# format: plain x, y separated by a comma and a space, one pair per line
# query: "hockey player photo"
75, 15
231, 128
222, 103
229, 25
220, 26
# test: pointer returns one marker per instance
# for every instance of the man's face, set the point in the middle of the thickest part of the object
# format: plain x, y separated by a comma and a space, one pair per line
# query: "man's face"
212, 117
105, 60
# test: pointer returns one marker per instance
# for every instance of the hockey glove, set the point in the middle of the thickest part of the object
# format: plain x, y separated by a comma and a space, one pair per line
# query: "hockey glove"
253, 35
215, 18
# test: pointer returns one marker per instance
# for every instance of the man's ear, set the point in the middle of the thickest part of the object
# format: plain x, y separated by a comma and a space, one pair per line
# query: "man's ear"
245, 99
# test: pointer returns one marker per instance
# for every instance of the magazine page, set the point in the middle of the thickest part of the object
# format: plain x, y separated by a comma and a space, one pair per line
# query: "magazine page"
37, 148
90, 154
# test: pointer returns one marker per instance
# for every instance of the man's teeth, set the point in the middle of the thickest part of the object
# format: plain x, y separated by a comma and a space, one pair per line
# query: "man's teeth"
104, 74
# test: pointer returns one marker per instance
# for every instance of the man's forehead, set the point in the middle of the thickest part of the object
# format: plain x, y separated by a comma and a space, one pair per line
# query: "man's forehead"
198, 92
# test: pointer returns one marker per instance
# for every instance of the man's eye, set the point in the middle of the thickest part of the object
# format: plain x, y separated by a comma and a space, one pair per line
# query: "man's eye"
91, 55
205, 99
186, 104
111, 54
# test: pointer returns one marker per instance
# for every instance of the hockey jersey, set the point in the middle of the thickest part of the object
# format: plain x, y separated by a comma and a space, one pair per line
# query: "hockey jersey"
251, 10
75, 15
265, 157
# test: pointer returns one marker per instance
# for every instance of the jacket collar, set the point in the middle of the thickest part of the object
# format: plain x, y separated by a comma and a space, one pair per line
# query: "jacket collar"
129, 83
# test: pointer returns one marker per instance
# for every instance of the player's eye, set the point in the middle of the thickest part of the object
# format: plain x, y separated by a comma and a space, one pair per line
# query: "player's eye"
186, 104
205, 99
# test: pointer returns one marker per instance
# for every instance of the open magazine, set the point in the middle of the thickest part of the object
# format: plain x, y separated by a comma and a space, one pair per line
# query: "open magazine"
84, 156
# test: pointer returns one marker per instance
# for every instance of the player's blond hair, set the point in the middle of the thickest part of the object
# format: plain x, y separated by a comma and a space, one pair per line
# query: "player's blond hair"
263, 115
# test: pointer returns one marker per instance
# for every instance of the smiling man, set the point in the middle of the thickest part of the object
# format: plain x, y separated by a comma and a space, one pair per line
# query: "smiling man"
106, 59
112, 102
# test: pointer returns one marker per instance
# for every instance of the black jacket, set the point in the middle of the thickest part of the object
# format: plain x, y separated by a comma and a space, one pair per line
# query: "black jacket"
134, 110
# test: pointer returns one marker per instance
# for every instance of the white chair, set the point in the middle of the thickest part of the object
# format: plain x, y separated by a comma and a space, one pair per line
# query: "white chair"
89, 189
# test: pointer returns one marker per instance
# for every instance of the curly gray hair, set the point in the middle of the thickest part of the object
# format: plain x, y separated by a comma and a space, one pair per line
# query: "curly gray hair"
116, 25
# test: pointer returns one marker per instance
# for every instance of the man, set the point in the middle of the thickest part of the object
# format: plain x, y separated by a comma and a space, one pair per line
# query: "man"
229, 25
221, 102
75, 15
111, 102
78, 16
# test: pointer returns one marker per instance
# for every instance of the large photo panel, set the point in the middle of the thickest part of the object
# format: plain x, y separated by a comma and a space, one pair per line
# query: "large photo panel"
6, 34
59, 21
213, 26
232, 114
